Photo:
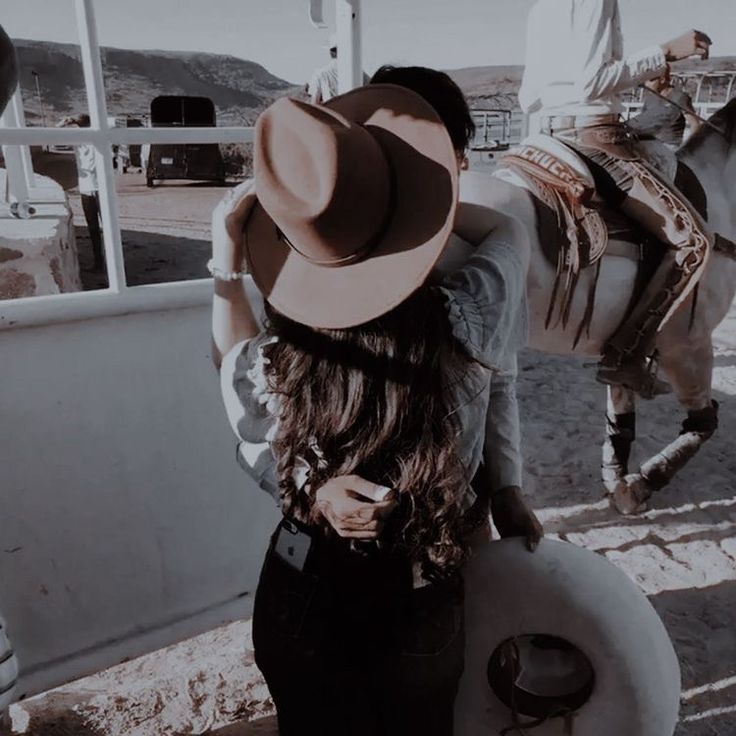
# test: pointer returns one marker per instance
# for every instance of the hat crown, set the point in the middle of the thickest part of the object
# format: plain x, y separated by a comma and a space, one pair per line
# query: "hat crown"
324, 180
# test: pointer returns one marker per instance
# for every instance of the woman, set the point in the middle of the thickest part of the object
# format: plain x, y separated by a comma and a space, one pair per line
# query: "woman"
364, 370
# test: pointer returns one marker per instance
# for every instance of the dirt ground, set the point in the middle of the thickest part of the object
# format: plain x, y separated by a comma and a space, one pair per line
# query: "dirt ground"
682, 551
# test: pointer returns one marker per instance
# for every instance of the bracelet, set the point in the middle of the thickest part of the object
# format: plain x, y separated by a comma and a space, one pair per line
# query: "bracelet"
221, 275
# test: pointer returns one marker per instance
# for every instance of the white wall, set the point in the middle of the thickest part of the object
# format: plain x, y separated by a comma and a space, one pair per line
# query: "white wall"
125, 522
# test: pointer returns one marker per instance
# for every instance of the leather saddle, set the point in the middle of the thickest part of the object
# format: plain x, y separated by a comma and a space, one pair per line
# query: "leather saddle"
579, 220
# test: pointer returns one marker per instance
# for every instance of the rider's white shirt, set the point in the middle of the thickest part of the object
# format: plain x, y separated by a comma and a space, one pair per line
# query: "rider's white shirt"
574, 59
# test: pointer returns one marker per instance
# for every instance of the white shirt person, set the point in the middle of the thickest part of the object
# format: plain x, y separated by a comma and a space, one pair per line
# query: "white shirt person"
575, 62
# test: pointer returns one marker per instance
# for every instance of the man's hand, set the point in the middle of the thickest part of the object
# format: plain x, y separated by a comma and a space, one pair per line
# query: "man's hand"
513, 518
691, 43
354, 507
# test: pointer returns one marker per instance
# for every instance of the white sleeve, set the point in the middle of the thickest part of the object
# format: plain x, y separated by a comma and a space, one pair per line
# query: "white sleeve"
529, 93
601, 75
250, 417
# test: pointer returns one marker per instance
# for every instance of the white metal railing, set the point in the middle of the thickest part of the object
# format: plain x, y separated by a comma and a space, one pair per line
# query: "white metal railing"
120, 298
492, 130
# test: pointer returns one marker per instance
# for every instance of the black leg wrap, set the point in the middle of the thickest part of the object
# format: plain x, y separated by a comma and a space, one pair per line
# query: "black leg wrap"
620, 434
702, 420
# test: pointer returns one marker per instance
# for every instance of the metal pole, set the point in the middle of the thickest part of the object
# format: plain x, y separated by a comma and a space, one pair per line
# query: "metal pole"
15, 184
36, 76
94, 82
349, 44
16, 103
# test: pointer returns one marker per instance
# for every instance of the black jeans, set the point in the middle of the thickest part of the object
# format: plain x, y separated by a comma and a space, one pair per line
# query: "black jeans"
349, 648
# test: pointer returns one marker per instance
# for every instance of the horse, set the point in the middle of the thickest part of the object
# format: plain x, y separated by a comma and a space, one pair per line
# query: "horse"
684, 344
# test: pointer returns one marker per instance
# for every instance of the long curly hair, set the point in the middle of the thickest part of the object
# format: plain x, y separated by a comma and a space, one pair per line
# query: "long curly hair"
373, 400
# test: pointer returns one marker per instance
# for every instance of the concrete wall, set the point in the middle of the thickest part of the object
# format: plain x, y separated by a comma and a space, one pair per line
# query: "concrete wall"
126, 523
39, 256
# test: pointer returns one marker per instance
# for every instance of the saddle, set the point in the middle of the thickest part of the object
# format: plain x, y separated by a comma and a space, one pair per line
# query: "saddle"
578, 223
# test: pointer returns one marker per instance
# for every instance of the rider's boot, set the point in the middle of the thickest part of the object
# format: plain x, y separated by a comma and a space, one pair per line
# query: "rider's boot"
666, 214
626, 359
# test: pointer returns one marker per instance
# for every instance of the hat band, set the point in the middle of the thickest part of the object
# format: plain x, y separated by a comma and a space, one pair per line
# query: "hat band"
361, 252
339, 260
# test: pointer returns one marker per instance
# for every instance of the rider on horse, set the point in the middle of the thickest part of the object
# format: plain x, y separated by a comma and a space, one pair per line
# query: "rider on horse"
575, 70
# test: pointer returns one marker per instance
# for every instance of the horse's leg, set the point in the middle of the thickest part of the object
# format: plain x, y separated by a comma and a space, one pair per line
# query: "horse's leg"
689, 371
620, 434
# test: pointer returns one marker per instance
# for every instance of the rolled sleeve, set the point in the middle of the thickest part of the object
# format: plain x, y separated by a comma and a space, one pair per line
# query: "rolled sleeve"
487, 303
250, 410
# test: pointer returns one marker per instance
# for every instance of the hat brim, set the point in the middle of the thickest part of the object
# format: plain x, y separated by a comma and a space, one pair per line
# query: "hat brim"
425, 192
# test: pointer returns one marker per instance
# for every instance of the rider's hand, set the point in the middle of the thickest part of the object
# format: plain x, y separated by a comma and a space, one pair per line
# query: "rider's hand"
228, 221
513, 518
691, 43
354, 507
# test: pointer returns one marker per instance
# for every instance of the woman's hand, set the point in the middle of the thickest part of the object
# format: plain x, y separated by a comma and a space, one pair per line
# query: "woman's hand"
233, 319
354, 507
228, 222
513, 518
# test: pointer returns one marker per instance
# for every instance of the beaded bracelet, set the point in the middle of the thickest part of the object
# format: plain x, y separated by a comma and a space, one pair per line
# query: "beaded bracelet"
221, 275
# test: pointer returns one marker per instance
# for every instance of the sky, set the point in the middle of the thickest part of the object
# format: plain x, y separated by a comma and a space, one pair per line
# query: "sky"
447, 34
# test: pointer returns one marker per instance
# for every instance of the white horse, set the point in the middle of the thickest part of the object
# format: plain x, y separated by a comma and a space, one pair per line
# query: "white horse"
684, 343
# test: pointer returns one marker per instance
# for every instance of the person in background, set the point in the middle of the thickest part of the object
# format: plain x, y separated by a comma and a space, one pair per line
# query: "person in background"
661, 119
323, 84
575, 71
368, 366
121, 159
86, 158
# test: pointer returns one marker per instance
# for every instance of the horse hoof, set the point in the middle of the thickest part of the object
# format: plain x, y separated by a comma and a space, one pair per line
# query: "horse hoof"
630, 495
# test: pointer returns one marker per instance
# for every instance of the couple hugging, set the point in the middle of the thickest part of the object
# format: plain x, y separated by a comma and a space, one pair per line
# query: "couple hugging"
375, 398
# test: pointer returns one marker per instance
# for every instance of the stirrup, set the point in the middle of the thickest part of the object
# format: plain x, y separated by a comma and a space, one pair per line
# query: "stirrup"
638, 377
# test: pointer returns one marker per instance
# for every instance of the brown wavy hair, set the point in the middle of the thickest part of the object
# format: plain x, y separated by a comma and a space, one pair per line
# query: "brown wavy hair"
373, 400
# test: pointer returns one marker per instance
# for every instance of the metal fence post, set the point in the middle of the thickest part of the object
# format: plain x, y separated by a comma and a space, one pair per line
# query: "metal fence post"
95, 84
349, 45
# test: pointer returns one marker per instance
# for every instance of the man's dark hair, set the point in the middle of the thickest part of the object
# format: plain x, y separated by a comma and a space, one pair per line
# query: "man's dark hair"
8, 70
438, 89
83, 120
333, 52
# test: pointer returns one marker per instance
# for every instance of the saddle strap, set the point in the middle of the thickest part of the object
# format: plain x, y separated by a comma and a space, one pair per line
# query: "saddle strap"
586, 235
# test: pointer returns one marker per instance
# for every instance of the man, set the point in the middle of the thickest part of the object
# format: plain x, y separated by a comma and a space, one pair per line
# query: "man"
323, 84
86, 159
663, 114
574, 73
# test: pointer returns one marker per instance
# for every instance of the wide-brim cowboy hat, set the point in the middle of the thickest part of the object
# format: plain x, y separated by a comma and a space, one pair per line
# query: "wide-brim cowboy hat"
356, 201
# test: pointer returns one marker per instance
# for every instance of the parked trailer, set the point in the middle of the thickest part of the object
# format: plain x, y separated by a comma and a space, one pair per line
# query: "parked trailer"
200, 162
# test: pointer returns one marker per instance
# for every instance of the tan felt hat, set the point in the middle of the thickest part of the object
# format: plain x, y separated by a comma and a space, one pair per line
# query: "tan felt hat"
356, 201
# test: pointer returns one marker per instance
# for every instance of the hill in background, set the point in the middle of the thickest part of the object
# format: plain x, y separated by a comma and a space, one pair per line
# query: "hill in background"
240, 89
